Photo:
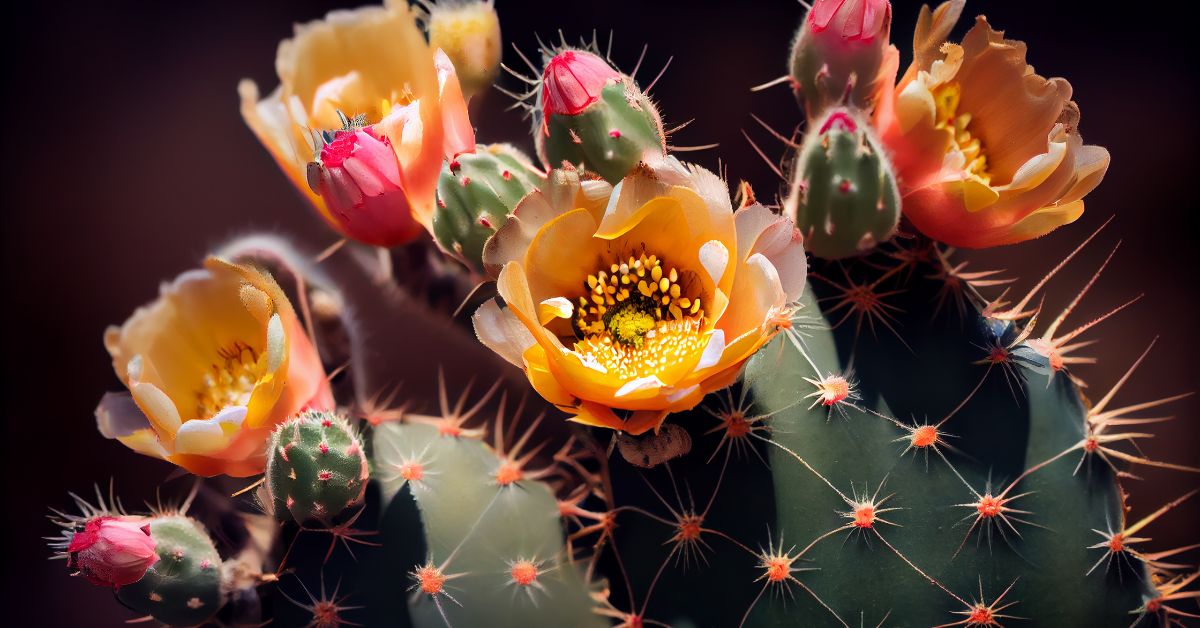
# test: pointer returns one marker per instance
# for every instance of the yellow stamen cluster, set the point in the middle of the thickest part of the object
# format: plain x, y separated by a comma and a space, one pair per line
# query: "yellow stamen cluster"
229, 382
946, 97
636, 318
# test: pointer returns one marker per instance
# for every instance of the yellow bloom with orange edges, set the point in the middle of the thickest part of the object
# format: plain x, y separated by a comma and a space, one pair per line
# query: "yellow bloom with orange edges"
363, 117
624, 304
986, 151
211, 367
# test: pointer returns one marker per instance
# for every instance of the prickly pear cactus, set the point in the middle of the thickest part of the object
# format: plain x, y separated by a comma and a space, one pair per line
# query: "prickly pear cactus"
494, 546
476, 192
184, 587
316, 468
844, 194
856, 430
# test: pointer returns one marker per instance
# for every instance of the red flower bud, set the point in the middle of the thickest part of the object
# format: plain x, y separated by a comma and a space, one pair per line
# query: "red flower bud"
852, 20
359, 178
573, 80
113, 551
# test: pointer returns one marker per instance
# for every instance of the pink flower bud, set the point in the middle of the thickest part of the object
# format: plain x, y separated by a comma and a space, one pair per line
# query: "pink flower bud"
851, 20
113, 551
573, 80
359, 178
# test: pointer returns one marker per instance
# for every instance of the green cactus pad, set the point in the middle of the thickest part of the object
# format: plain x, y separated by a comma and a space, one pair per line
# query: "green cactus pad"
476, 192
610, 138
477, 530
844, 191
316, 468
184, 587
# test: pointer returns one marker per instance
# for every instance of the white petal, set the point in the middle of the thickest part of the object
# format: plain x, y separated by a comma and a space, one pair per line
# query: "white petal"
230, 417
200, 437
714, 257
501, 331
712, 352
642, 383
117, 415
555, 307
680, 393
276, 343
158, 407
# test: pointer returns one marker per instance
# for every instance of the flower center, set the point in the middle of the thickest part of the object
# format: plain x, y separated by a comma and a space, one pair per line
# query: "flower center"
637, 318
230, 381
946, 97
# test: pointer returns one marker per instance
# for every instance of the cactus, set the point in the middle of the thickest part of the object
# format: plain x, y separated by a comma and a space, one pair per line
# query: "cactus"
476, 192
892, 441
594, 117
184, 587
494, 546
316, 469
844, 195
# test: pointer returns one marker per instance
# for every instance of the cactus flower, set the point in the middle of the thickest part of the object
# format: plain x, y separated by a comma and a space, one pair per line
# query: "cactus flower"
839, 54
211, 367
469, 32
350, 86
112, 551
986, 151
623, 304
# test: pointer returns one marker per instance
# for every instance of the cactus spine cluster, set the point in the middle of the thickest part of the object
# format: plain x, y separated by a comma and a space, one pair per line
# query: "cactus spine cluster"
316, 468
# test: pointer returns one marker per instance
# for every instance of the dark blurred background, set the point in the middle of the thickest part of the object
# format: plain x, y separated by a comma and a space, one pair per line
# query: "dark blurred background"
127, 161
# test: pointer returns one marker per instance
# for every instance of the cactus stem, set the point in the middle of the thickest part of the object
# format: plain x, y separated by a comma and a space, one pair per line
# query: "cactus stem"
805, 464
778, 572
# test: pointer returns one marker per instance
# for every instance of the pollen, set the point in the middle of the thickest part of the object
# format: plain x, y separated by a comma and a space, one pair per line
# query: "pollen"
524, 572
924, 436
638, 317
947, 99
230, 380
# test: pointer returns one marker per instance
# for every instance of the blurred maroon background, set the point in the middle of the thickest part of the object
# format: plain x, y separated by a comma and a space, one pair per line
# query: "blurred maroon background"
128, 160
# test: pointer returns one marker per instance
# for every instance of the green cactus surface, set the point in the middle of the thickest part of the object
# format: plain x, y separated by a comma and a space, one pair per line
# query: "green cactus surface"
476, 192
495, 547
610, 138
316, 468
184, 587
844, 193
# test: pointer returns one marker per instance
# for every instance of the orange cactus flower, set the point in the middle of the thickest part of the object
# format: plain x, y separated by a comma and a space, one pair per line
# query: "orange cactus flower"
211, 367
362, 119
987, 152
624, 304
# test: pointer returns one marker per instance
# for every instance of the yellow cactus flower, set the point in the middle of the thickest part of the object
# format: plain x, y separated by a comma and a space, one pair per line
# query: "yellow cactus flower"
211, 367
639, 298
986, 151
469, 32
362, 119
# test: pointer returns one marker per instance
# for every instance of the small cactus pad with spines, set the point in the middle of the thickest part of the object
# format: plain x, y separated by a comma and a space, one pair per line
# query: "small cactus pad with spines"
184, 587
609, 138
476, 192
316, 468
843, 192
493, 535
